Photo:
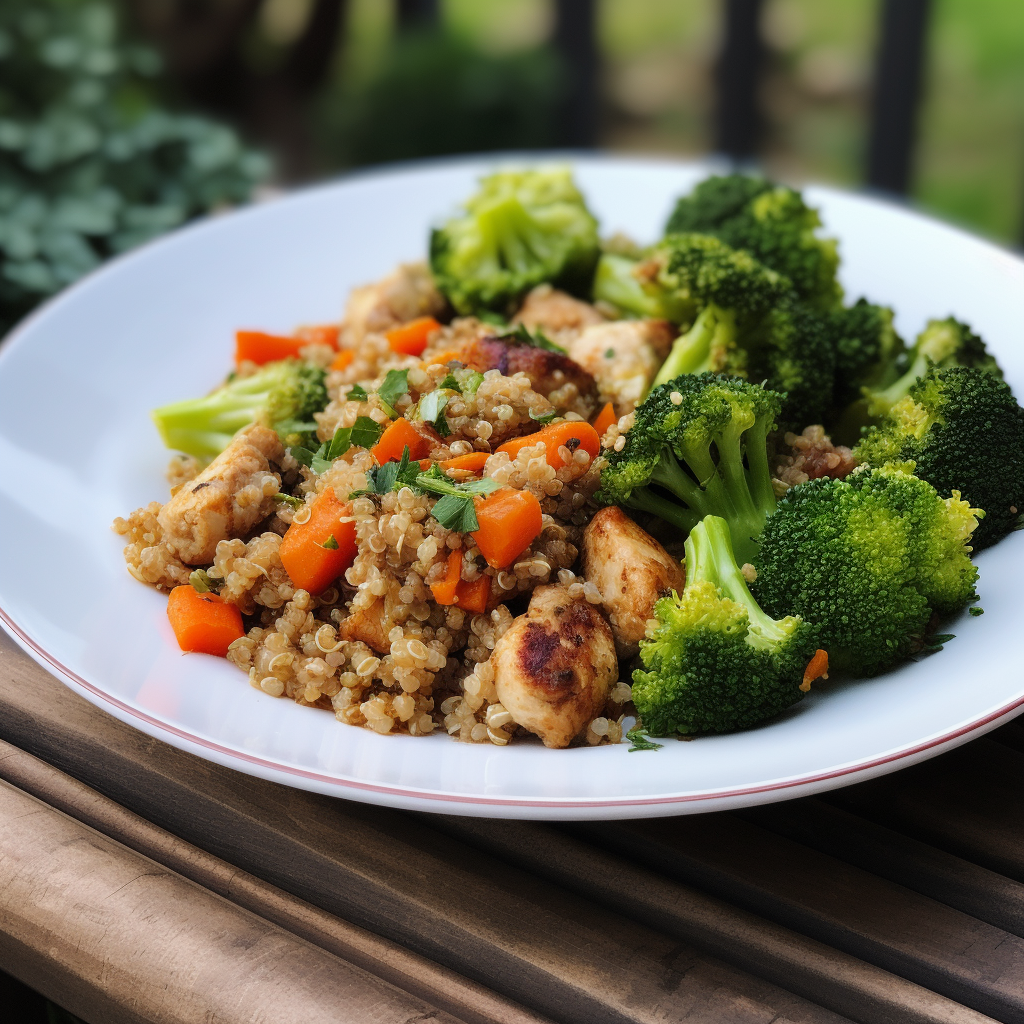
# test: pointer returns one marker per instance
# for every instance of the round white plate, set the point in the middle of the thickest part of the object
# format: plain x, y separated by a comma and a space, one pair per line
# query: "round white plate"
77, 448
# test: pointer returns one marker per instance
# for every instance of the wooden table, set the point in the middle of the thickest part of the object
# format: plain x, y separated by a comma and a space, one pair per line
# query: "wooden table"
139, 883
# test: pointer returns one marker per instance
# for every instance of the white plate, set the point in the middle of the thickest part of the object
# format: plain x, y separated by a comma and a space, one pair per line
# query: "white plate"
77, 448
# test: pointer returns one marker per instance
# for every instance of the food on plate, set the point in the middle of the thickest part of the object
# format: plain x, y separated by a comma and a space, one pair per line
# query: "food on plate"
715, 661
464, 506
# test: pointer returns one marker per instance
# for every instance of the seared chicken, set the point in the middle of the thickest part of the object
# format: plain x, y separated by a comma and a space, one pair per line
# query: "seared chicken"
227, 499
554, 666
556, 313
632, 570
405, 294
370, 625
623, 356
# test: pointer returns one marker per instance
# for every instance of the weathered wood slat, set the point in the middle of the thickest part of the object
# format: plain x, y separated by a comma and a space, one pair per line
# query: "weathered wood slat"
838, 904
969, 802
386, 871
986, 895
847, 985
440, 987
96, 926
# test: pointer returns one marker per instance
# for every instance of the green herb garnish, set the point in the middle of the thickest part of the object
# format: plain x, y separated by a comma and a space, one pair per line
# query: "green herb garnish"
431, 410
396, 384
640, 740
364, 433
455, 510
451, 383
472, 383
201, 581
543, 418
331, 544
289, 499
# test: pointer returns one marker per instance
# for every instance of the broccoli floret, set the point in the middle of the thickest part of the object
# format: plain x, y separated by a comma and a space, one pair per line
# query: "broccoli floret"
522, 228
868, 560
942, 343
716, 662
867, 349
964, 431
709, 346
282, 395
770, 221
683, 274
698, 447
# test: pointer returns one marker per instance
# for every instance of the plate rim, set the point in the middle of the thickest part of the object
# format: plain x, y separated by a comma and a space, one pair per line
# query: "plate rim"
439, 801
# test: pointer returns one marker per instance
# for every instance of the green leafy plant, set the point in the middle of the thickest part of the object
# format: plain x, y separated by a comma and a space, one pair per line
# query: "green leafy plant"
91, 163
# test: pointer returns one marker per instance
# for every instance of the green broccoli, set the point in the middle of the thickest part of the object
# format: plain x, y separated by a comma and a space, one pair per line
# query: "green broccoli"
682, 274
771, 222
868, 560
867, 349
698, 447
964, 432
942, 343
521, 229
716, 662
283, 395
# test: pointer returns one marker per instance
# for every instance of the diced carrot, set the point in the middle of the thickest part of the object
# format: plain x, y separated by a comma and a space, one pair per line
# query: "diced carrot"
445, 356
311, 566
817, 668
396, 438
605, 418
320, 334
410, 339
445, 592
573, 435
343, 359
204, 623
509, 520
259, 347
473, 595
425, 464
473, 461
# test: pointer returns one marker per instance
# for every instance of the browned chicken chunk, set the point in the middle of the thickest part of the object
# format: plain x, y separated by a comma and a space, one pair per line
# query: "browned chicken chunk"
406, 293
227, 499
624, 357
556, 313
632, 570
554, 666
370, 625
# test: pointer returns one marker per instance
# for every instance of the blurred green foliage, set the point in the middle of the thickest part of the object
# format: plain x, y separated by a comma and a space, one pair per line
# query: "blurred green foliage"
434, 93
91, 163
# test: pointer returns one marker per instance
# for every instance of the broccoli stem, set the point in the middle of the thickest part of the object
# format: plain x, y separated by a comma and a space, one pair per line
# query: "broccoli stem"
697, 350
710, 557
643, 499
614, 282
880, 402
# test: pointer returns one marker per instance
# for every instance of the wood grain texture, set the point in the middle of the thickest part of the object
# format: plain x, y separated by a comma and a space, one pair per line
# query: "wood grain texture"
98, 927
392, 874
443, 988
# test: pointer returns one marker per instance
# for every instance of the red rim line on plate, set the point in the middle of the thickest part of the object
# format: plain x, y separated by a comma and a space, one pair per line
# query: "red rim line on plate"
370, 787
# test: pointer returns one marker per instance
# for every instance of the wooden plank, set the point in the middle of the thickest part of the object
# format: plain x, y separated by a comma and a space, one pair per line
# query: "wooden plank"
896, 96
970, 802
737, 80
838, 904
390, 873
839, 981
445, 989
984, 894
120, 939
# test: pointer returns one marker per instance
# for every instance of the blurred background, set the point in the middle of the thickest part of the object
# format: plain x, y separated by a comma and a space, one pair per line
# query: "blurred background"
119, 120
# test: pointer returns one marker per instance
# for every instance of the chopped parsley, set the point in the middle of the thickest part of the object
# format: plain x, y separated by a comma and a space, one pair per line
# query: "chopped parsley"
609, 353
392, 476
543, 418
331, 543
452, 384
395, 384
472, 383
640, 740
364, 433
536, 339
454, 509
289, 499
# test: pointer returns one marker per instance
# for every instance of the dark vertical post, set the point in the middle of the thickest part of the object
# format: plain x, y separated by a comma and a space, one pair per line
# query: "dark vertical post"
417, 13
576, 42
737, 76
897, 93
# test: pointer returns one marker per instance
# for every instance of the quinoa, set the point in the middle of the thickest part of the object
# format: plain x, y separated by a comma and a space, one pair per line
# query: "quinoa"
376, 648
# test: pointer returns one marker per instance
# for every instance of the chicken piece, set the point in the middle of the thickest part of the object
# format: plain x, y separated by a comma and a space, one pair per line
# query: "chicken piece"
227, 499
632, 570
406, 293
556, 313
370, 625
554, 666
624, 357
